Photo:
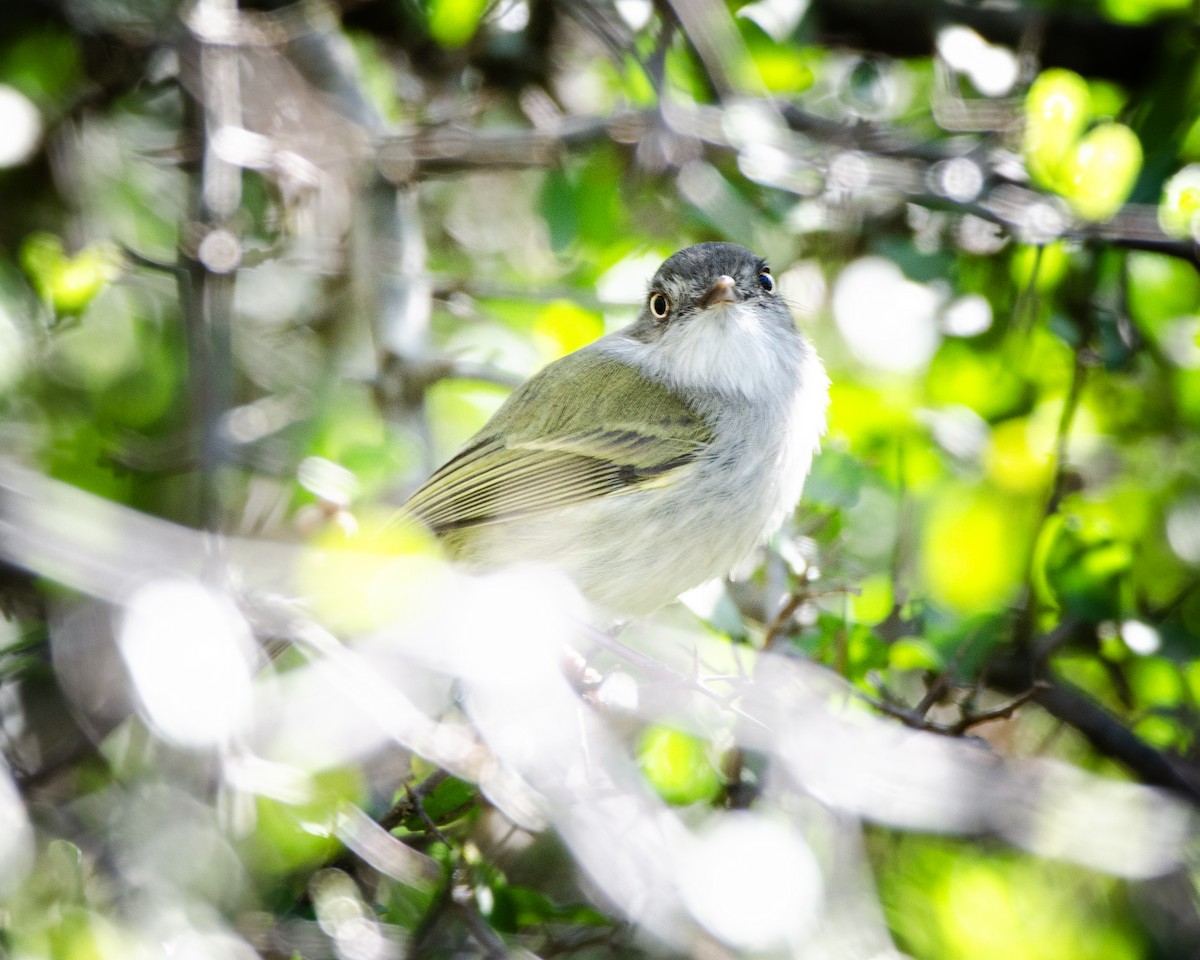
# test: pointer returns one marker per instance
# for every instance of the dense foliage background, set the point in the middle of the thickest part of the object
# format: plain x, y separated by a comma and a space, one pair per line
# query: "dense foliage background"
263, 265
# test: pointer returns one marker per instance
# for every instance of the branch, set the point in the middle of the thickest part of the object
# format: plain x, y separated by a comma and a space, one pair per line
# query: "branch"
916, 717
1104, 731
899, 163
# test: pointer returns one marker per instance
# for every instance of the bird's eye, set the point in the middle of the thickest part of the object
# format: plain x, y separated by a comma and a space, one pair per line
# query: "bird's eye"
660, 306
766, 281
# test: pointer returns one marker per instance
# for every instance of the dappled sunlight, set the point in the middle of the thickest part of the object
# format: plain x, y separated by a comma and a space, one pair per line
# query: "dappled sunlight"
189, 654
873, 289
517, 727
266, 272
753, 882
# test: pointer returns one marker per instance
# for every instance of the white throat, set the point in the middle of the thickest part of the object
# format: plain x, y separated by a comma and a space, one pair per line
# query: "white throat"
727, 349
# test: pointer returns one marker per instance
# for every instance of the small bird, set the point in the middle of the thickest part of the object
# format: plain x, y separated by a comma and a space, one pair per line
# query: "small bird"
655, 458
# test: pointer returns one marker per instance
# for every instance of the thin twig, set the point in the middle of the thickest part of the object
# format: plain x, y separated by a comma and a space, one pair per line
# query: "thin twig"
665, 673
403, 809
778, 624
938, 688
916, 718
494, 947
1002, 712
141, 260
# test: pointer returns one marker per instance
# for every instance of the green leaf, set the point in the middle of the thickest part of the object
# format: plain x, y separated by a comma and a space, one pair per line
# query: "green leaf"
448, 801
1058, 107
1160, 288
558, 203
914, 654
45, 64
532, 908
1141, 11
981, 380
1098, 174
972, 549
1180, 203
678, 766
1163, 732
1156, 682
68, 283
452, 23
1085, 568
289, 836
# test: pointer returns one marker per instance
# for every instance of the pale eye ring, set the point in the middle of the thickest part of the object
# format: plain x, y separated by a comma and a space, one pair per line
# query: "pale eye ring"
766, 281
660, 305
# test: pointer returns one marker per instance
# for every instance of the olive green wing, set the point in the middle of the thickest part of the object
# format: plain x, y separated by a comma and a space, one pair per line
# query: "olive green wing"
566, 436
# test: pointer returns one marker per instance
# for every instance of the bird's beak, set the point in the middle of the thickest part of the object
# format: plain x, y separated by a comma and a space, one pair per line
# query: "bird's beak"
723, 290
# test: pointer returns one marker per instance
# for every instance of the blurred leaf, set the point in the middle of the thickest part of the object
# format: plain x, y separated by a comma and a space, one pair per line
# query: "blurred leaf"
515, 908
378, 77
350, 433
1058, 107
1187, 395
559, 205
1085, 569
685, 75
954, 903
77, 452
1160, 288
1191, 672
1043, 267
562, 327
623, 84
148, 395
781, 68
914, 654
45, 64
972, 548
874, 600
1156, 682
68, 283
79, 934
65, 865
861, 413
452, 23
288, 836
1108, 99
1164, 733
408, 906
836, 480
1100, 171
1015, 460
1140, 11
449, 800
677, 765
981, 380
863, 650
602, 218
1180, 202
457, 410
364, 578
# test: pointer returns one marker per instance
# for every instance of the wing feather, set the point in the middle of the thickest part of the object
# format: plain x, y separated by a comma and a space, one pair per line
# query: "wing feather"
542, 450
